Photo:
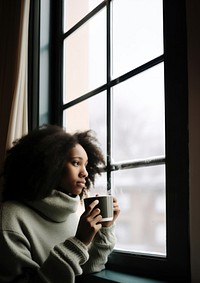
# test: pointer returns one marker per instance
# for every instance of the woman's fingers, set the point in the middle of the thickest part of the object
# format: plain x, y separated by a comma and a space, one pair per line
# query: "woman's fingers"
90, 207
89, 223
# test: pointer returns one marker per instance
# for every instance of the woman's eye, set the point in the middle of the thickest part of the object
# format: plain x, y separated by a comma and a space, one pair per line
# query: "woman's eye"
75, 163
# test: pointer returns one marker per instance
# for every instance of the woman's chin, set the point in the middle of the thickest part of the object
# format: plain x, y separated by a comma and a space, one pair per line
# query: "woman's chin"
75, 192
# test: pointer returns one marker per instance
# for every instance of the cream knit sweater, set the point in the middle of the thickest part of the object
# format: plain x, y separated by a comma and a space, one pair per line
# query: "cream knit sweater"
37, 242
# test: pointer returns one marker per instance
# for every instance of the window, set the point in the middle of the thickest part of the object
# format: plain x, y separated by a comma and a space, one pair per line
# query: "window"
119, 67
127, 75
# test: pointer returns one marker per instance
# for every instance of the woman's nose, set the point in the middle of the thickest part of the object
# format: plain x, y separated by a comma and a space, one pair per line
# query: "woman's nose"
84, 172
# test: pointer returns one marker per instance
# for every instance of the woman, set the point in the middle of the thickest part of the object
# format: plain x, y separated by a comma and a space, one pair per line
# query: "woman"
46, 173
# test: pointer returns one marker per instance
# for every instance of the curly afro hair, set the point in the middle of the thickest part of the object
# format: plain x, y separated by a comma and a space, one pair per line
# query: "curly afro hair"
34, 165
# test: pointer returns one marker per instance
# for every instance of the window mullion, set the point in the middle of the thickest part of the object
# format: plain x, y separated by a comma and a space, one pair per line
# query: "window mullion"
108, 98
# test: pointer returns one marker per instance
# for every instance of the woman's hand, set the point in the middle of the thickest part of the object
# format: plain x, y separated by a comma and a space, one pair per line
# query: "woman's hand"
116, 212
89, 224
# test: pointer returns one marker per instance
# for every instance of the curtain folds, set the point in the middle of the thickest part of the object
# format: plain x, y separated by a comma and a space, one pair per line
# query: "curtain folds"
18, 123
14, 22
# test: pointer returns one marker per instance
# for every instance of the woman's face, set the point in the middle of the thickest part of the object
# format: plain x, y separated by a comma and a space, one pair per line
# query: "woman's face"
73, 181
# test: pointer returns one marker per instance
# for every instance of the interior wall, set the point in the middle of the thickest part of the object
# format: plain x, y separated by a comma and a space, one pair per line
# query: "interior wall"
193, 25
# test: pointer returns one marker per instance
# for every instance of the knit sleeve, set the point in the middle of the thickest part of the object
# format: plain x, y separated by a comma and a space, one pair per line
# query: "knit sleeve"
64, 261
99, 250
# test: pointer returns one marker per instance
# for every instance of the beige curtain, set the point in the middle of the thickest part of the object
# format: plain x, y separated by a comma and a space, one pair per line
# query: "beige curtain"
18, 123
14, 19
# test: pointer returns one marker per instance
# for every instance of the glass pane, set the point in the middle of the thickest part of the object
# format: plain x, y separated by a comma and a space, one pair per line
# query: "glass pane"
100, 186
138, 116
89, 114
137, 33
85, 58
75, 10
141, 226
44, 63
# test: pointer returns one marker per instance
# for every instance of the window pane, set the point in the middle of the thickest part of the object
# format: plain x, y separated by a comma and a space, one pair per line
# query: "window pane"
75, 10
137, 33
100, 186
89, 114
85, 58
138, 116
141, 226
44, 64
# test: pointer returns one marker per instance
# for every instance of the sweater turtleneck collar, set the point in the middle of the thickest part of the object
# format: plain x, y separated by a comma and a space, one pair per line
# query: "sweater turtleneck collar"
56, 206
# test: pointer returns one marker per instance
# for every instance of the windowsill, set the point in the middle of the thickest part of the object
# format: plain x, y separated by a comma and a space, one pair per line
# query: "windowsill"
117, 277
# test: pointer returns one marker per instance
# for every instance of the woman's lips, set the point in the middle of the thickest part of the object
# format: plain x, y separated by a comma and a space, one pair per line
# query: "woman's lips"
81, 183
